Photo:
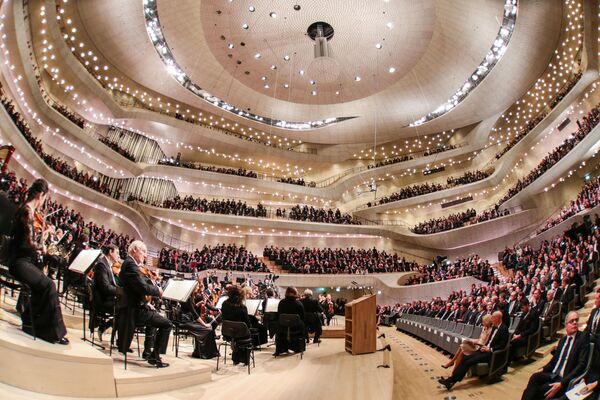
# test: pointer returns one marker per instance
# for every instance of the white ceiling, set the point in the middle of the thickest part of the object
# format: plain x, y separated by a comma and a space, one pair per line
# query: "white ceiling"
434, 46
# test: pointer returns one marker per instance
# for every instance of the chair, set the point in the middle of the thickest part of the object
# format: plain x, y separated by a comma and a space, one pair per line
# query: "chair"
292, 323
548, 331
577, 379
174, 315
96, 318
236, 334
121, 308
7, 281
533, 342
492, 371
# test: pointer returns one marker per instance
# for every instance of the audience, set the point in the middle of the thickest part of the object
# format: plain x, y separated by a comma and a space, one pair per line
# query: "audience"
73, 117
62, 167
472, 265
586, 125
311, 214
458, 220
588, 197
426, 188
115, 147
230, 207
176, 162
226, 257
533, 123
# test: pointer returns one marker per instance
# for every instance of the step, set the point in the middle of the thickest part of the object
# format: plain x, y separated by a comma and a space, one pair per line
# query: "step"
545, 350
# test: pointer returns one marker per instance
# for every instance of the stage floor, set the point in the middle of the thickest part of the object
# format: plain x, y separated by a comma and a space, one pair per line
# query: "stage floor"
326, 371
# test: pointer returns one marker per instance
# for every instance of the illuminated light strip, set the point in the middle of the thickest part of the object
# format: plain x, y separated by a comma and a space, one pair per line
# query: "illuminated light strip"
485, 67
154, 29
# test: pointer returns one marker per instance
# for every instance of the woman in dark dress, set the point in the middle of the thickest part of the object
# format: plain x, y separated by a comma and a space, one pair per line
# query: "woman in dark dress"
26, 266
290, 305
205, 345
233, 309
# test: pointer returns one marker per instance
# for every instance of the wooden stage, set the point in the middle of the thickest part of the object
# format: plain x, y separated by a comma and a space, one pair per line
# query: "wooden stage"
80, 371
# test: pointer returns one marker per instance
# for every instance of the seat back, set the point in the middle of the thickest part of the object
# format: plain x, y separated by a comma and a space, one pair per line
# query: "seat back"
289, 320
235, 329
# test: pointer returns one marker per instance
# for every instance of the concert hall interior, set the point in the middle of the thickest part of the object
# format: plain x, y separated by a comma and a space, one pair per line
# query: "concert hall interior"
383, 199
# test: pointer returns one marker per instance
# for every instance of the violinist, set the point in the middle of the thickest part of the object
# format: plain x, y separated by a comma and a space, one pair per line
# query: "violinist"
25, 265
105, 284
138, 311
195, 319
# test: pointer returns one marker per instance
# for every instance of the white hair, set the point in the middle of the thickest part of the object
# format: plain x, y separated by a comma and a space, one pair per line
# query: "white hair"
308, 293
136, 244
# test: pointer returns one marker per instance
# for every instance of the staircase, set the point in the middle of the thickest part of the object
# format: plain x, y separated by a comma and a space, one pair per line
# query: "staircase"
274, 268
501, 273
584, 314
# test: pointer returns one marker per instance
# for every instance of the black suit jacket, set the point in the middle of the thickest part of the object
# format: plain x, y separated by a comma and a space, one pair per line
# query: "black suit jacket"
104, 285
577, 360
550, 310
291, 306
500, 338
134, 285
311, 306
529, 324
590, 320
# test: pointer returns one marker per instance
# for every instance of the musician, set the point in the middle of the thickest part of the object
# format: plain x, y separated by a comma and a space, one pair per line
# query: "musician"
25, 265
290, 305
233, 309
312, 310
194, 318
139, 312
329, 308
105, 284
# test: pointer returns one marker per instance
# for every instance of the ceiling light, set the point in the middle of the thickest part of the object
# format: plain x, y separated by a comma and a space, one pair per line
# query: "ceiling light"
357, 78
257, 56
285, 85
264, 78
286, 57
301, 72
230, 45
312, 82
266, 86
314, 92
273, 14
389, 25
392, 70
251, 8
378, 46
273, 67
337, 93
245, 26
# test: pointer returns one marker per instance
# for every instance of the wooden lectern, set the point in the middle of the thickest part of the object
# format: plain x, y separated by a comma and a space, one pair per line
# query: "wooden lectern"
361, 325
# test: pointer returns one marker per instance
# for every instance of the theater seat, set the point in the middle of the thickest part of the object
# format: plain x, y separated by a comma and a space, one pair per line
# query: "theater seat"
492, 371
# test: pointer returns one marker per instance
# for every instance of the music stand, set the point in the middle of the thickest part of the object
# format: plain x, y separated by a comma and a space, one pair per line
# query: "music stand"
220, 302
272, 305
81, 265
270, 313
179, 290
253, 305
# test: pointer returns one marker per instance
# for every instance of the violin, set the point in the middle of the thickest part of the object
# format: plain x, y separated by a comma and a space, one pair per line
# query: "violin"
152, 276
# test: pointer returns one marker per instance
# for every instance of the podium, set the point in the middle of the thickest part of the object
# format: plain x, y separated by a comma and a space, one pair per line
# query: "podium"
361, 325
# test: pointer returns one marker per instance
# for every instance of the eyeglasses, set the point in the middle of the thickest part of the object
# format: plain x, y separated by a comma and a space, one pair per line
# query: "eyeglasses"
573, 321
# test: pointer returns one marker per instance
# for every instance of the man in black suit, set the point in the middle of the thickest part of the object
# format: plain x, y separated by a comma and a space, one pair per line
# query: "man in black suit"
593, 323
312, 309
551, 308
513, 304
105, 285
138, 311
528, 325
569, 361
498, 340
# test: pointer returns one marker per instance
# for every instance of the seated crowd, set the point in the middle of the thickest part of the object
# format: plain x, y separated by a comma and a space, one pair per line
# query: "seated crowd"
229, 207
534, 122
295, 181
472, 265
585, 125
115, 147
312, 214
210, 168
62, 167
224, 256
588, 197
426, 188
440, 149
337, 261
458, 220
389, 161
74, 118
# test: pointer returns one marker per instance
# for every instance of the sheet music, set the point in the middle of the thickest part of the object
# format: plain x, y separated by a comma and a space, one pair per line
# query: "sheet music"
574, 394
253, 305
84, 260
221, 301
179, 290
272, 305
